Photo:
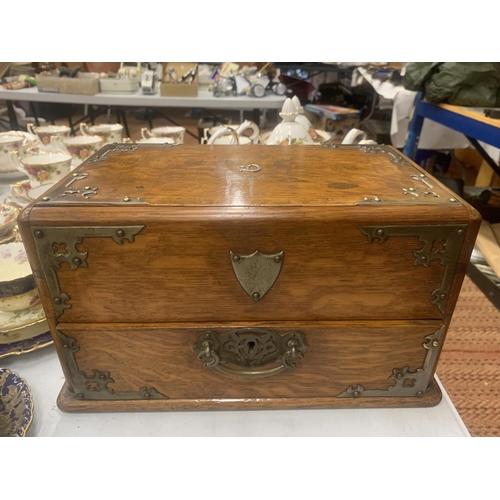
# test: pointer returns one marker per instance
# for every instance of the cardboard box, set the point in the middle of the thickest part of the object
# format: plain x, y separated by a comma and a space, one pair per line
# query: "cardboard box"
169, 89
83, 83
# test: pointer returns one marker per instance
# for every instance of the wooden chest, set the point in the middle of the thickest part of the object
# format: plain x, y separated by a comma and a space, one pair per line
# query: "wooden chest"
230, 277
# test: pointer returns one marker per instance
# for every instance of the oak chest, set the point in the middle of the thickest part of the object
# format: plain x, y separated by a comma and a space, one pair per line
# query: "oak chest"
229, 277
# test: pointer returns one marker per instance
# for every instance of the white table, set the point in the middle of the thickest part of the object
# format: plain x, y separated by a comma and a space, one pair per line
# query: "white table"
205, 99
42, 372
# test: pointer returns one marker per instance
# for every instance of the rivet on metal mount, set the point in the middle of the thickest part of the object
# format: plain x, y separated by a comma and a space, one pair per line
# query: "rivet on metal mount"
126, 198
38, 234
460, 232
453, 199
379, 232
120, 233
45, 198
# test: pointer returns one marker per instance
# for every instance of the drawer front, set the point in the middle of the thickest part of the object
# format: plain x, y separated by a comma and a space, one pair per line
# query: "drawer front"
284, 269
359, 360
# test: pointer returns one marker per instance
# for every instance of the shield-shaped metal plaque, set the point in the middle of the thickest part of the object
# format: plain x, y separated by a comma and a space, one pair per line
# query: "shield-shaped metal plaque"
257, 272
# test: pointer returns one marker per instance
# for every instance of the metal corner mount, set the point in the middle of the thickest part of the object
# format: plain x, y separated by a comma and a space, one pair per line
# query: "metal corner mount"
57, 245
441, 243
96, 385
405, 383
256, 272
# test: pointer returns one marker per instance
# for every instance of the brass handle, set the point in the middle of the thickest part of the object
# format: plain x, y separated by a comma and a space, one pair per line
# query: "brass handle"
248, 349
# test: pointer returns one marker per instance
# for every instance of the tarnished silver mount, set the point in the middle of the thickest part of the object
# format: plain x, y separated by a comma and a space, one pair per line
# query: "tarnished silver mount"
250, 352
441, 243
57, 245
404, 382
256, 272
96, 385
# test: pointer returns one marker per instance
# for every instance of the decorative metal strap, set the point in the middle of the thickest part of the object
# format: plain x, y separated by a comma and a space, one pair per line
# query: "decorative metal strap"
56, 245
96, 385
405, 381
248, 349
441, 243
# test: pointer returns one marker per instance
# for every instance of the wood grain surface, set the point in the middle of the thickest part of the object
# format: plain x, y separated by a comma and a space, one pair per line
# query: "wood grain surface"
66, 401
179, 268
136, 309
213, 176
339, 355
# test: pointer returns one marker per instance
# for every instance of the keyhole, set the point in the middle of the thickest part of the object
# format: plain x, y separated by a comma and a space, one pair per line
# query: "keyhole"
251, 346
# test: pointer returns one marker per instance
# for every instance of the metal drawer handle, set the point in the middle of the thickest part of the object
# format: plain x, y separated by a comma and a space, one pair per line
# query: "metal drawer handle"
249, 349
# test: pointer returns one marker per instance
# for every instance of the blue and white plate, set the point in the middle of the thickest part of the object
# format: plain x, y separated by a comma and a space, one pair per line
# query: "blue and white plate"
16, 405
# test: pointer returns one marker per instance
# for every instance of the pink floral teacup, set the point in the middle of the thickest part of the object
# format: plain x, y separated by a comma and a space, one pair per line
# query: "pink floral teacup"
175, 133
109, 132
82, 147
8, 145
44, 168
46, 132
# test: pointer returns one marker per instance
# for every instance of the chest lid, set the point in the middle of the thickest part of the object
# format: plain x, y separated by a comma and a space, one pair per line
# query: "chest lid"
248, 176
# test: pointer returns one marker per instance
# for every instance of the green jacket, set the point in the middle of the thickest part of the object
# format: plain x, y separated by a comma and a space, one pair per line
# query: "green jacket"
459, 83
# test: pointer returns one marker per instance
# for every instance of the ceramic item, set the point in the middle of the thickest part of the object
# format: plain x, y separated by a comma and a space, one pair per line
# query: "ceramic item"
301, 117
175, 133
289, 131
16, 405
239, 129
17, 285
27, 345
226, 136
156, 140
29, 140
9, 144
35, 193
45, 132
19, 193
356, 136
8, 219
20, 325
80, 148
46, 168
109, 132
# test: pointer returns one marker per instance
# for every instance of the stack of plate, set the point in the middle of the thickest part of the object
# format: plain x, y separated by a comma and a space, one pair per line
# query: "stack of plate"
23, 326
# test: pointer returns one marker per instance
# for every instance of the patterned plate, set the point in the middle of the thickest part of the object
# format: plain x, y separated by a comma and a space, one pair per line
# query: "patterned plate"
27, 345
16, 405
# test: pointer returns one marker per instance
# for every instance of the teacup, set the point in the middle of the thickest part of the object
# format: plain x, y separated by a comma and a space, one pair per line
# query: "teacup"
175, 133
109, 132
246, 125
44, 168
46, 132
79, 147
225, 135
29, 140
8, 145
156, 140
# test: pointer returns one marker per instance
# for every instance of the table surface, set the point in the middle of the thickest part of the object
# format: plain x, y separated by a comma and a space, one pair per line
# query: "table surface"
205, 99
43, 373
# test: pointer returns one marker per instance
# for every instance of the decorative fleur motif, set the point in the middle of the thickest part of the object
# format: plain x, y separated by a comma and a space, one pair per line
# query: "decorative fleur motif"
96, 385
441, 243
405, 382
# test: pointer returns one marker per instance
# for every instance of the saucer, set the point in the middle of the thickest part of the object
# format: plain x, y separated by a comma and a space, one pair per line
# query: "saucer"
20, 325
16, 405
26, 345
